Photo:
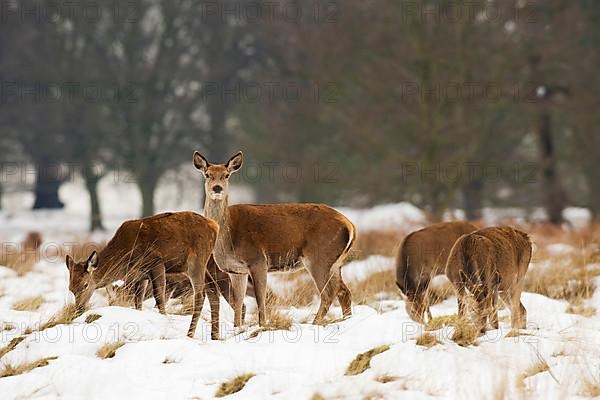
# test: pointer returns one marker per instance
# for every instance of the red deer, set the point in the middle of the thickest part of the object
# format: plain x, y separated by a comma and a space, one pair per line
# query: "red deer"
178, 286
256, 239
488, 263
148, 249
421, 256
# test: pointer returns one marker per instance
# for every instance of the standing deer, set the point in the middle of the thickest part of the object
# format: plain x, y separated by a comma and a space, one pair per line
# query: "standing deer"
421, 256
256, 239
488, 263
148, 249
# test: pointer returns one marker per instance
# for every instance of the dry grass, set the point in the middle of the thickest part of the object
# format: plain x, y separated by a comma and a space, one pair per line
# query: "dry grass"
109, 350
276, 321
362, 362
581, 309
427, 340
591, 388
439, 292
376, 242
234, 385
12, 370
564, 276
11, 345
63, 317
92, 318
465, 333
386, 378
302, 293
367, 290
22, 257
7, 326
439, 322
28, 304
540, 366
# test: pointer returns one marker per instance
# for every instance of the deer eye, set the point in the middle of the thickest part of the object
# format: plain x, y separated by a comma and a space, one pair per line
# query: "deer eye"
226, 176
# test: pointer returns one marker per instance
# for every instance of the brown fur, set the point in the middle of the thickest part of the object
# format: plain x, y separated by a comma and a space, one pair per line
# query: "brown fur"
179, 286
148, 249
255, 239
488, 263
421, 256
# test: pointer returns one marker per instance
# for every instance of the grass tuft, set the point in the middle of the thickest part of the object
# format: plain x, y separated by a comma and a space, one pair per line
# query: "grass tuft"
276, 322
581, 309
427, 340
12, 370
28, 304
386, 378
11, 345
539, 367
362, 362
439, 322
92, 318
63, 317
109, 350
234, 385
465, 334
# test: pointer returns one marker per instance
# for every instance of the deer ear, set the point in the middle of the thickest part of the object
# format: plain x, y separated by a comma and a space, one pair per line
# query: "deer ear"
69, 262
92, 262
235, 162
200, 162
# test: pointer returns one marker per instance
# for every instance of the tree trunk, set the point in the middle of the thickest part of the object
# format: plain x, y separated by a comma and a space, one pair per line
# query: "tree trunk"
147, 188
91, 183
554, 195
473, 199
46, 193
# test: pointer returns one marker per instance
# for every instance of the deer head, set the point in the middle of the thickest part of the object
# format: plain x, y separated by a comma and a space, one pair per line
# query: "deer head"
81, 279
216, 176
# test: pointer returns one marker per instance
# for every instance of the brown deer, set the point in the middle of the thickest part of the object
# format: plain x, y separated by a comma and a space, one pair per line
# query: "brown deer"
148, 249
421, 256
255, 239
488, 263
178, 286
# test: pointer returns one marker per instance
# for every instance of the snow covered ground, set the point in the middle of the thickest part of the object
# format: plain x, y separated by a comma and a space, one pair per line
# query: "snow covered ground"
557, 357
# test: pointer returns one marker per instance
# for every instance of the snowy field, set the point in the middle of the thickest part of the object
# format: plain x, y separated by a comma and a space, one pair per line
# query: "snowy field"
556, 357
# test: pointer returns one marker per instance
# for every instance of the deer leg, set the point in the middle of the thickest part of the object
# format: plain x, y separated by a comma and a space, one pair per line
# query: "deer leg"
344, 297
212, 291
493, 307
518, 313
139, 293
259, 279
239, 283
158, 278
481, 297
327, 284
197, 274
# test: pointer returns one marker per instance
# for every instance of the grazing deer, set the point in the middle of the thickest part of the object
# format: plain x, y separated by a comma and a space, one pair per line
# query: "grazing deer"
150, 248
255, 239
488, 263
421, 256
178, 286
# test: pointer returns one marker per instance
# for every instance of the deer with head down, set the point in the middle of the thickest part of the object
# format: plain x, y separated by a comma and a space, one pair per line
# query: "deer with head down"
256, 239
423, 254
148, 249
488, 264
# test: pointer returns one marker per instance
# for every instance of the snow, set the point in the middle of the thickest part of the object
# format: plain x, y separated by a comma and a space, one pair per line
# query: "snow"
158, 361
400, 216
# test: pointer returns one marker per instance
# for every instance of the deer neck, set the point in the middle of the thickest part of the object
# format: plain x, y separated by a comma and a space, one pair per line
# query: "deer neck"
218, 210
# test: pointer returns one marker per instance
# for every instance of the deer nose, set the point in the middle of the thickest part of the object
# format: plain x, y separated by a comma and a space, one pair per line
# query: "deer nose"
217, 189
